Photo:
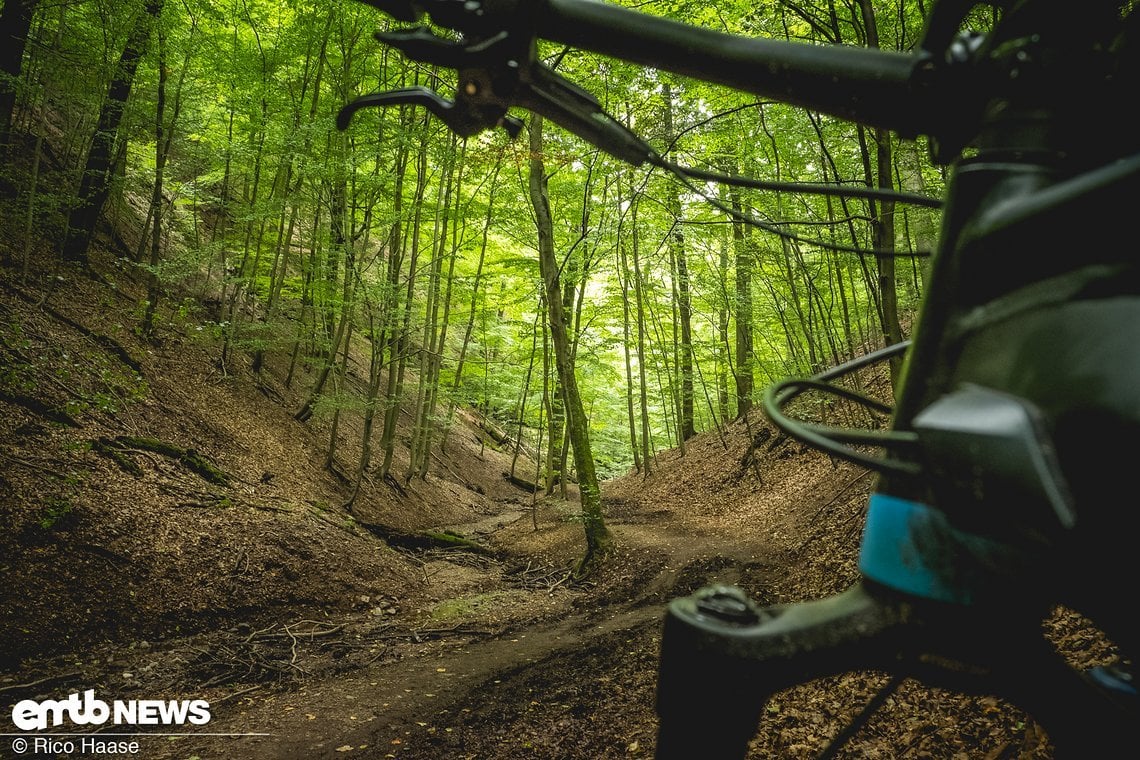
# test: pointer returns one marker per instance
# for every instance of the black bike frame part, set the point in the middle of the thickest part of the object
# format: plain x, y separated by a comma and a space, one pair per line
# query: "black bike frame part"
1034, 292
888, 89
722, 659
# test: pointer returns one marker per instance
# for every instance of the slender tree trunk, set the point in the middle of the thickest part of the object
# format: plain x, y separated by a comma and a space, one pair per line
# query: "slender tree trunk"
395, 388
598, 539
883, 218
376, 340
307, 302
642, 353
526, 392
547, 403
153, 283
828, 164
387, 320
433, 334
340, 249
744, 358
623, 269
95, 184
723, 362
291, 191
338, 385
246, 274
475, 293
220, 228
556, 424
686, 428
458, 225
789, 271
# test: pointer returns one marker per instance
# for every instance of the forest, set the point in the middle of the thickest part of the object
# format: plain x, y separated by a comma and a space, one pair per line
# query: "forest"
260, 365
212, 128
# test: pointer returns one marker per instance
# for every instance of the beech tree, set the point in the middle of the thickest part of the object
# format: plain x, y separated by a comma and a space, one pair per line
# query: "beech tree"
598, 539
95, 182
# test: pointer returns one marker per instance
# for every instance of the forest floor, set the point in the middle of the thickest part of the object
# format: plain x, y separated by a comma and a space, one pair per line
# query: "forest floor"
128, 571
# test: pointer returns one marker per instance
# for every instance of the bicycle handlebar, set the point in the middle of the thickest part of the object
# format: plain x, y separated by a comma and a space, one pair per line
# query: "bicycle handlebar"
495, 58
873, 87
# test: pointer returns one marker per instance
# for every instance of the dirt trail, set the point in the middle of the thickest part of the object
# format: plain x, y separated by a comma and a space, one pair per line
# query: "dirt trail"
423, 704
382, 706
483, 657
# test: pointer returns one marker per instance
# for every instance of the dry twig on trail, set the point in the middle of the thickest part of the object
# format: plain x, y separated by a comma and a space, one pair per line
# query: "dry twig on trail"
270, 654
538, 577
288, 632
42, 681
236, 694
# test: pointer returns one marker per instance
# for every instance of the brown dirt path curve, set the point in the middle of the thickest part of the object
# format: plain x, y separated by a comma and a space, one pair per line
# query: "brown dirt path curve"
412, 706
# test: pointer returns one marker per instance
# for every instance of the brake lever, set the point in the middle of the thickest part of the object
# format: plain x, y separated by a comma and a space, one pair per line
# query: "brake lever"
496, 70
464, 119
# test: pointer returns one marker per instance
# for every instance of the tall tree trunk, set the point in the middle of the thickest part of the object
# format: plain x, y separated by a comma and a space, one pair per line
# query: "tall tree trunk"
642, 353
723, 356
246, 275
458, 225
883, 217
431, 343
526, 394
340, 248
475, 294
95, 184
338, 386
376, 341
624, 282
744, 359
398, 350
598, 538
153, 283
556, 426
837, 267
686, 427
386, 318
309, 268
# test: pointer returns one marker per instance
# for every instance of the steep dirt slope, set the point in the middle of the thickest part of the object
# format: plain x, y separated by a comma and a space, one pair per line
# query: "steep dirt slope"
146, 493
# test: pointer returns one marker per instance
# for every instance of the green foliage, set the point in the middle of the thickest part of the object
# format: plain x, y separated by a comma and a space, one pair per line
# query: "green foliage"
274, 223
55, 512
58, 509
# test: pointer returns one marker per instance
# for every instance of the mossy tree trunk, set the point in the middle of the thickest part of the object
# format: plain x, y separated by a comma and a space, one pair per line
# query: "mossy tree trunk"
598, 539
